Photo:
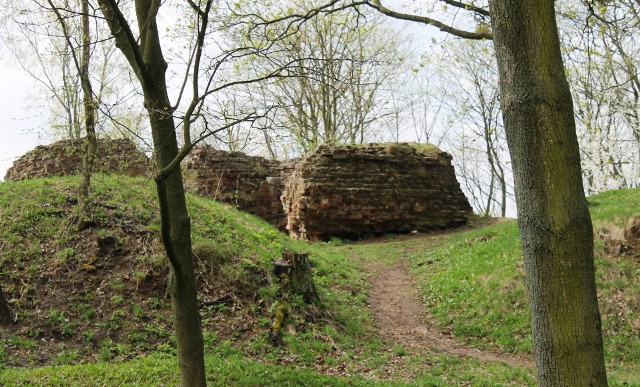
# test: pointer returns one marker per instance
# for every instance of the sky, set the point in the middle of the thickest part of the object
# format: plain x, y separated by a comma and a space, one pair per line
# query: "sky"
20, 125
17, 124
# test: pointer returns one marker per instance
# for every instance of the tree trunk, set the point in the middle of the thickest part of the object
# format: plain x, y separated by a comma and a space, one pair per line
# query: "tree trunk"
176, 237
144, 55
295, 277
553, 217
90, 146
176, 232
5, 313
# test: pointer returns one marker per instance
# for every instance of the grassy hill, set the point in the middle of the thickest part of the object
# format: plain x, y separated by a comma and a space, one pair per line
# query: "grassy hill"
97, 297
99, 294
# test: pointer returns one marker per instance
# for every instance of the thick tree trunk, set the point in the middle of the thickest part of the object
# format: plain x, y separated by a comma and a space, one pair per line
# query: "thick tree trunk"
555, 225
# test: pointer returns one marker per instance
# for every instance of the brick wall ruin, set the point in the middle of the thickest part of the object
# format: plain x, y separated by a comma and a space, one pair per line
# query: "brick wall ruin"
343, 191
373, 189
65, 157
252, 184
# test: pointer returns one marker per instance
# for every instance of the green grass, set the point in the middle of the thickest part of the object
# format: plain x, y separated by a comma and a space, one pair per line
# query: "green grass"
614, 207
163, 371
474, 285
472, 282
234, 254
233, 369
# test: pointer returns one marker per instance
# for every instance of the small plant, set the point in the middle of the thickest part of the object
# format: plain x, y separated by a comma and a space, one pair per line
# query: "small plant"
155, 303
3, 356
117, 285
85, 311
67, 356
88, 335
156, 331
138, 277
56, 317
140, 340
400, 350
138, 311
65, 254
335, 241
23, 342
117, 299
166, 348
34, 332
108, 350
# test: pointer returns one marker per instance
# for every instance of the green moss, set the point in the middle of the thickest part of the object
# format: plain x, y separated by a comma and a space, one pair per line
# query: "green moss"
425, 148
399, 147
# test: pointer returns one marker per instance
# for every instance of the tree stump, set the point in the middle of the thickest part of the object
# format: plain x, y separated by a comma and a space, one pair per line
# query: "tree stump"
632, 231
297, 269
5, 313
295, 277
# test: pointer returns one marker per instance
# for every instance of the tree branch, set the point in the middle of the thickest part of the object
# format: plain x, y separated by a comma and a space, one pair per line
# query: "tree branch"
125, 40
375, 4
468, 7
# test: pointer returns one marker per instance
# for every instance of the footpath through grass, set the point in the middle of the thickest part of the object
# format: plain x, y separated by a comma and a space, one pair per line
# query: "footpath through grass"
471, 282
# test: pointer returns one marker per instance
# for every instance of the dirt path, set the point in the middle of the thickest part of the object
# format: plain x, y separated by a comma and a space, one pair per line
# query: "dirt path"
396, 306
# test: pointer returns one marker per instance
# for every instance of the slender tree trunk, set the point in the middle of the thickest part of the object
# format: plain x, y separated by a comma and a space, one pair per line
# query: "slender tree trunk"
503, 183
82, 67
554, 220
176, 228
90, 146
144, 54
176, 237
492, 177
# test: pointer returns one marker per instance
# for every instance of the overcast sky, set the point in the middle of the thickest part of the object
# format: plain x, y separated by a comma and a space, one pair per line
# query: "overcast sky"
17, 124
20, 125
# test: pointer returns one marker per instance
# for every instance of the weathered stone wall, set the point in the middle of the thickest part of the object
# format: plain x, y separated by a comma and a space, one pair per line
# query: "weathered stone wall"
252, 184
65, 158
344, 191
373, 189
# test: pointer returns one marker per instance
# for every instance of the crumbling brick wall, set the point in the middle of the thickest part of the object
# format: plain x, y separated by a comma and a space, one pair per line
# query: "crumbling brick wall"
373, 189
65, 158
343, 191
252, 184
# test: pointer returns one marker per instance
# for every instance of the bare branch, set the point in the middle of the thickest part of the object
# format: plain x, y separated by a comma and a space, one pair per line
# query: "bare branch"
125, 40
375, 4
468, 7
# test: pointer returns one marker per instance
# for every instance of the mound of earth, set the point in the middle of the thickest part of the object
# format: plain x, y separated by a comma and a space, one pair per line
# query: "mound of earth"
100, 293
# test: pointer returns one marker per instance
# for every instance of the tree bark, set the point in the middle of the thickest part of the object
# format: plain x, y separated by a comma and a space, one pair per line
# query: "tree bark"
5, 313
176, 237
554, 221
91, 145
148, 63
299, 276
